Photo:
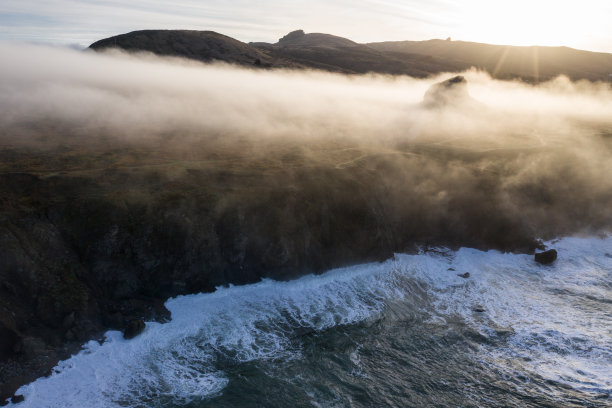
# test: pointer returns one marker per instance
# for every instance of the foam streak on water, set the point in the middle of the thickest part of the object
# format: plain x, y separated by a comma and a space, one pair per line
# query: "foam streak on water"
548, 322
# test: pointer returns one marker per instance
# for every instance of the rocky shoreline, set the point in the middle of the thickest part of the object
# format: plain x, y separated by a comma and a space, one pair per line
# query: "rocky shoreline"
83, 254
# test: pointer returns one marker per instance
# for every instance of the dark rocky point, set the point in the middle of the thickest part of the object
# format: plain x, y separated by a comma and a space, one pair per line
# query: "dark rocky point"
133, 328
546, 257
16, 399
464, 275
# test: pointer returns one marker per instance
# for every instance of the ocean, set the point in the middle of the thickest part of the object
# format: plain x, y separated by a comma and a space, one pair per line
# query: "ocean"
408, 332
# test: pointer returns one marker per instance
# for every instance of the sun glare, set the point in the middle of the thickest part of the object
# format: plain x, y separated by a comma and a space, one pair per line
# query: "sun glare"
528, 22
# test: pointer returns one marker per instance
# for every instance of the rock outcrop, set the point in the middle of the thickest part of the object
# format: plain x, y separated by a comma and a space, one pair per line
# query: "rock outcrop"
292, 37
452, 92
133, 328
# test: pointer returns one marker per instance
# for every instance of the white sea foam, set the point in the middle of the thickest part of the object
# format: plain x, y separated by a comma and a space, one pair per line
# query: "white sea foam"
557, 319
544, 312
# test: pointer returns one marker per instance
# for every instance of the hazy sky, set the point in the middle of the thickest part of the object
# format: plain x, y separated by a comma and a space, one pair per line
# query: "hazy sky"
584, 24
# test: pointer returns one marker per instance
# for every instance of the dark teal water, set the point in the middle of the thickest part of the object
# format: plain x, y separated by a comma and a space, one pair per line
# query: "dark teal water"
405, 333
399, 363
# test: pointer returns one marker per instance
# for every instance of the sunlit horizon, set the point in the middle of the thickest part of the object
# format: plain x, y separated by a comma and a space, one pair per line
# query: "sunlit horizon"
529, 23
583, 25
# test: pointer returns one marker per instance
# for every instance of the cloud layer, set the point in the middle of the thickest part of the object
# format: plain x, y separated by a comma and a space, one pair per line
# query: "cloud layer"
537, 158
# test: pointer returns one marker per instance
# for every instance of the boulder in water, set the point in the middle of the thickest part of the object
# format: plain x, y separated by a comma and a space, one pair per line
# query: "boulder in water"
546, 257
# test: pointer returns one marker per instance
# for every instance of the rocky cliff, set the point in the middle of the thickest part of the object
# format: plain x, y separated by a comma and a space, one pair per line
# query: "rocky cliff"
88, 249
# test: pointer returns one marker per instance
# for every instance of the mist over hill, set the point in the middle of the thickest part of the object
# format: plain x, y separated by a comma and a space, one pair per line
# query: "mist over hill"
336, 54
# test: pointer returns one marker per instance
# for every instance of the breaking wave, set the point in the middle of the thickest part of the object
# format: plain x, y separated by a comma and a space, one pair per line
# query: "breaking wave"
539, 333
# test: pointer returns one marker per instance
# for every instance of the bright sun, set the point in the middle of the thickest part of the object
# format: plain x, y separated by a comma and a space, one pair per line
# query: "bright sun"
532, 22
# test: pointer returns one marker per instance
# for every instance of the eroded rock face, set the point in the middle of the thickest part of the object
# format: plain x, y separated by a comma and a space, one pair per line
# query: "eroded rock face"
133, 328
31, 346
452, 92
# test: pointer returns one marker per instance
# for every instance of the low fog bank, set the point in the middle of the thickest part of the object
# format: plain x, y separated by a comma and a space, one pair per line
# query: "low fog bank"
137, 96
524, 160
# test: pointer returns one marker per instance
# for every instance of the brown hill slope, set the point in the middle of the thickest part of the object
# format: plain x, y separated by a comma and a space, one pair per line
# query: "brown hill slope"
332, 53
329, 52
206, 46
531, 63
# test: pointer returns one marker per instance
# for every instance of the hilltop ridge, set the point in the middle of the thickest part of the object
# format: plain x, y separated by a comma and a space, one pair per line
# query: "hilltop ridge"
300, 50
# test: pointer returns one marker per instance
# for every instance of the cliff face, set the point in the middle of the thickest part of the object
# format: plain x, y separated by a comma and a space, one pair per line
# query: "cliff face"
83, 252
90, 247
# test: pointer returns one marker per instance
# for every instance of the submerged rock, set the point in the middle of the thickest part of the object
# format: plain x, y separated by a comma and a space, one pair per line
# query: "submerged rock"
464, 275
503, 331
546, 257
133, 328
